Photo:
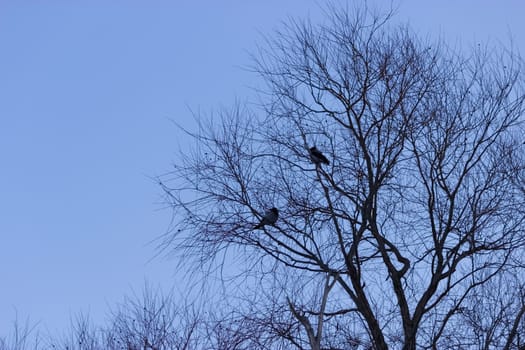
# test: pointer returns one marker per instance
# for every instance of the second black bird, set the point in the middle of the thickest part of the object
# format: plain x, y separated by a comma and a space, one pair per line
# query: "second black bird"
269, 218
317, 157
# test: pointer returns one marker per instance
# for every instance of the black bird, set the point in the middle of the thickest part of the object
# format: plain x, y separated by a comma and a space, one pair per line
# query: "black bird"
269, 218
317, 157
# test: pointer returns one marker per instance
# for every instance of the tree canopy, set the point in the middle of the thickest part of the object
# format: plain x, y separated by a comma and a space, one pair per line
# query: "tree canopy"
411, 236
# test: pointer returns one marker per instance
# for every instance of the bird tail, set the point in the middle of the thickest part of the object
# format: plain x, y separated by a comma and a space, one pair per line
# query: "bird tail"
258, 226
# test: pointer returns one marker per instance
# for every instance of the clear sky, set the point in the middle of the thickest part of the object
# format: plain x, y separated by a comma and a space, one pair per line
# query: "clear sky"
88, 92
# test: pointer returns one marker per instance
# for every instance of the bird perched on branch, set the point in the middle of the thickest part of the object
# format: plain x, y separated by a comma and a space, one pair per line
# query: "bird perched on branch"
317, 157
269, 218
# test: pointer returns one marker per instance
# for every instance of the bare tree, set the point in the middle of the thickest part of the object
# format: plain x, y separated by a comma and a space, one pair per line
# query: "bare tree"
154, 321
150, 321
23, 336
82, 335
418, 210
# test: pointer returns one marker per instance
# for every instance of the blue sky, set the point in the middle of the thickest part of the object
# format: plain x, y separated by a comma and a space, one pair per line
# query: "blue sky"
88, 92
